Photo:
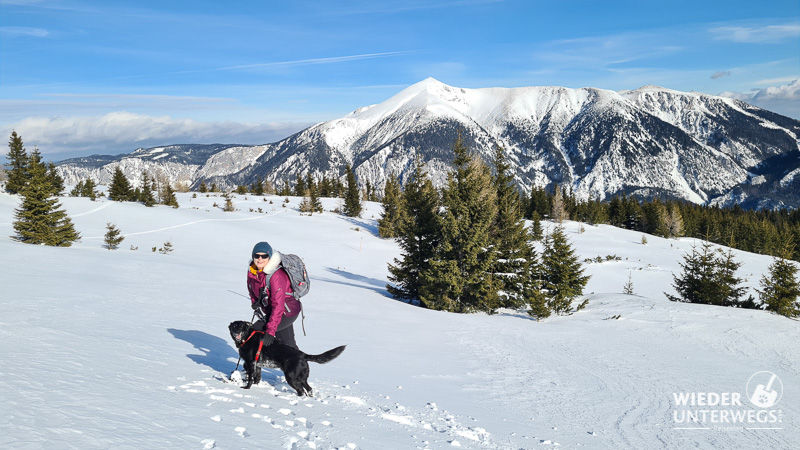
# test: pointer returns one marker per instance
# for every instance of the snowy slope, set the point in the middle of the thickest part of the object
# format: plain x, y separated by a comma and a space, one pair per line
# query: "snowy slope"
129, 349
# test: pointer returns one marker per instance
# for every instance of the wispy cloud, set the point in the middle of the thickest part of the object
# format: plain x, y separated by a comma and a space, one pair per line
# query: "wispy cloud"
726, 73
757, 35
24, 31
328, 60
414, 7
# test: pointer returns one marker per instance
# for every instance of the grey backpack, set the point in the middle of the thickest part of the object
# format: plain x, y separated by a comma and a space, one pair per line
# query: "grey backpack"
298, 276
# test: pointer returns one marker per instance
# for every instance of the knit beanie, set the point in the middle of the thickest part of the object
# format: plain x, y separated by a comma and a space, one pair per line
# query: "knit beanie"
262, 247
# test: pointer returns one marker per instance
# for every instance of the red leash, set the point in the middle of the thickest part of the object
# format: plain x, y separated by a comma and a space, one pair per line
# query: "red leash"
260, 344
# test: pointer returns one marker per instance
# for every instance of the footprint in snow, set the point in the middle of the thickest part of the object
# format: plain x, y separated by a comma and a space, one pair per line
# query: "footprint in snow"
208, 443
242, 431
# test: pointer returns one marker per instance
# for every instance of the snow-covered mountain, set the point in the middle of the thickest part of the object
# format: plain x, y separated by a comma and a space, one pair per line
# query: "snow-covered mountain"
650, 141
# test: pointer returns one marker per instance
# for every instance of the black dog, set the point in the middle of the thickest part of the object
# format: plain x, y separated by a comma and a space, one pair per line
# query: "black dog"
293, 362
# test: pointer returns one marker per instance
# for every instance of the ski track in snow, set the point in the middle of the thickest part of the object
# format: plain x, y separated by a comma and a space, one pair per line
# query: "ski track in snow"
179, 225
314, 422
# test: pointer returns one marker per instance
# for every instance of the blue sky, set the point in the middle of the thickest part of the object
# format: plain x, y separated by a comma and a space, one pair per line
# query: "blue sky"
82, 77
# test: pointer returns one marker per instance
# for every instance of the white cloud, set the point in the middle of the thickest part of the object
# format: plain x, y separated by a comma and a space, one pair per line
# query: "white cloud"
24, 31
763, 34
784, 99
122, 132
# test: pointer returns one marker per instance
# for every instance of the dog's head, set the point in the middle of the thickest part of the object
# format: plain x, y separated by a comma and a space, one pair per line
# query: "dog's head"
240, 331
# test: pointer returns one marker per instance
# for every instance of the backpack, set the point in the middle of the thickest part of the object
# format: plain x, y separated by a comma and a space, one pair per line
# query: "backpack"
298, 276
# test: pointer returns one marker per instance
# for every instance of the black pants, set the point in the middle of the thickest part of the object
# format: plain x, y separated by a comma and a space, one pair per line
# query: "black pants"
285, 332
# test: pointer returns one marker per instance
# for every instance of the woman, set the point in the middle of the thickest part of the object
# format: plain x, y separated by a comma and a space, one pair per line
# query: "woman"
271, 296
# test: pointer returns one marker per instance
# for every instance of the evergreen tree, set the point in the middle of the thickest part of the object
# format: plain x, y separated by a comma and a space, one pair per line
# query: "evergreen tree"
418, 235
311, 203
55, 180
780, 291
120, 188
539, 203
707, 278
203, 188
229, 207
393, 209
562, 275
352, 199
77, 190
300, 187
113, 236
168, 198
17, 165
39, 219
459, 274
512, 253
258, 186
730, 284
146, 194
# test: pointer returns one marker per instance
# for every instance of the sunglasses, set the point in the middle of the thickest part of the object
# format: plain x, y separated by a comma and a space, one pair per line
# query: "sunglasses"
260, 256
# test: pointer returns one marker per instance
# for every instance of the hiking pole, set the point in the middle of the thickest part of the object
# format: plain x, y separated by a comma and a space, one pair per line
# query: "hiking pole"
240, 356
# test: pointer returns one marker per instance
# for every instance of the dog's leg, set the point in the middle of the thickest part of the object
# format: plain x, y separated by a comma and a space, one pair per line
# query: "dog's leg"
249, 368
257, 375
309, 392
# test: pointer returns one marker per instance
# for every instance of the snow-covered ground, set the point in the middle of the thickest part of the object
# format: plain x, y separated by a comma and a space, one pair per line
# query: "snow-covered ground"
130, 348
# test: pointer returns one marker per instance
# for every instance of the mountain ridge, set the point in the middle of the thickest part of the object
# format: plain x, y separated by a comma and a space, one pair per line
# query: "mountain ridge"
650, 141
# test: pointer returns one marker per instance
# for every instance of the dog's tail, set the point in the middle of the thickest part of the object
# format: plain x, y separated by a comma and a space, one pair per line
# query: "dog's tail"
328, 356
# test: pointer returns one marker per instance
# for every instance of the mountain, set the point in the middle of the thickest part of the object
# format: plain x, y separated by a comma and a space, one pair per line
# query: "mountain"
649, 142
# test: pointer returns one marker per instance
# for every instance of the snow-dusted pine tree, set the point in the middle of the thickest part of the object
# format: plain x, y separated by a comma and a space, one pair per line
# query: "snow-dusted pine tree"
393, 209
39, 218
780, 290
562, 274
458, 277
113, 236
418, 236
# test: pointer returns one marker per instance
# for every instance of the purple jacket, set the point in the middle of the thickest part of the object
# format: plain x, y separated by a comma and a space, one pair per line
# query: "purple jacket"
279, 296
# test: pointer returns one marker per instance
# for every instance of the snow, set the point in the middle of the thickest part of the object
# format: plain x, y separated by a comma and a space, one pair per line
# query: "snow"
130, 348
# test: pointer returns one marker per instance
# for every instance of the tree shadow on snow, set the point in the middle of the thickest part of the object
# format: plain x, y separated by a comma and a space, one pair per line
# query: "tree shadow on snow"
360, 281
215, 351
370, 225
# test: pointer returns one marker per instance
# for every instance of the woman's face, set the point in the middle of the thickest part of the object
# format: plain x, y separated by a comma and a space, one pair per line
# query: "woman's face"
260, 260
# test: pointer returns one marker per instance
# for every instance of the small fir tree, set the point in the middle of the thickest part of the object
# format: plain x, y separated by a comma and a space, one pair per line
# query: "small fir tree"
203, 187
120, 188
352, 198
628, 288
17, 165
39, 218
393, 209
146, 195
113, 236
562, 274
168, 197
780, 290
